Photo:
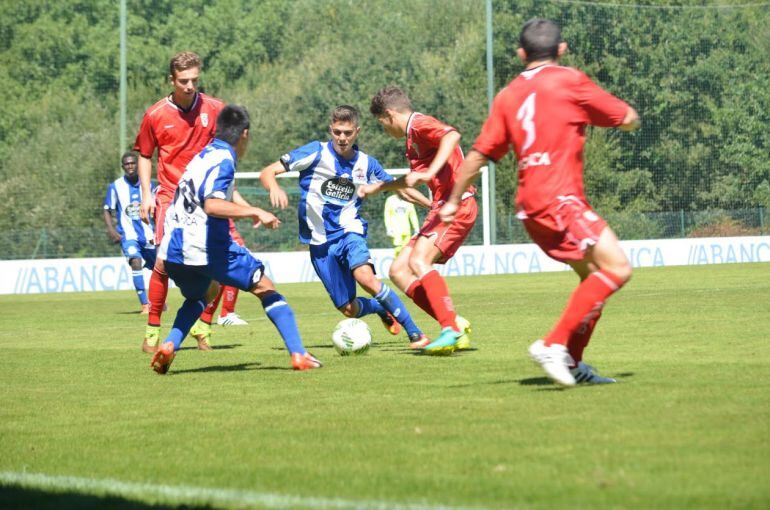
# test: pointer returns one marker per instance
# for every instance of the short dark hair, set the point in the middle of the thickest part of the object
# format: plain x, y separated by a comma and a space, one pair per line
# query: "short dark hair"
232, 121
389, 98
184, 61
345, 113
129, 155
540, 39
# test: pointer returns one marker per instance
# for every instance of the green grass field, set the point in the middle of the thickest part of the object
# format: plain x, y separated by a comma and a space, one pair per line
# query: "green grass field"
84, 422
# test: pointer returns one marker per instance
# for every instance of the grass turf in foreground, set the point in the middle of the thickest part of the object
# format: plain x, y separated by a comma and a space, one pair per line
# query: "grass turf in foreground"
686, 426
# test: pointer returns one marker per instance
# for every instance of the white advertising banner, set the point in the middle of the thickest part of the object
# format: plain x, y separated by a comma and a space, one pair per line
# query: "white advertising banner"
113, 273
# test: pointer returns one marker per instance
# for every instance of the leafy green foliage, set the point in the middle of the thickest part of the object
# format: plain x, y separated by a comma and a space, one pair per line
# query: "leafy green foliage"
698, 75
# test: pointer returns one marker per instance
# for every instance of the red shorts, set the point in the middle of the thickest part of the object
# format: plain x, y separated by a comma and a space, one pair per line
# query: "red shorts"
162, 203
565, 230
448, 237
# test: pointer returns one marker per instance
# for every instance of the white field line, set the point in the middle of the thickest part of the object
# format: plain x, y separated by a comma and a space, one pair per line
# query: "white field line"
176, 494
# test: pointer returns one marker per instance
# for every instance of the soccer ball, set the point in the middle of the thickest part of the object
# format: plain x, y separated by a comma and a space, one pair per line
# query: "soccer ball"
351, 336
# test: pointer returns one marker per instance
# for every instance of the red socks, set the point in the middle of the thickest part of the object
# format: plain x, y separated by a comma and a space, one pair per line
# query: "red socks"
579, 338
208, 312
584, 308
437, 295
229, 297
416, 293
156, 294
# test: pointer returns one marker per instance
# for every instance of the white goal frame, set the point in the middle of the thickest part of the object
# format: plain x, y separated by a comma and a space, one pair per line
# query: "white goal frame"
485, 205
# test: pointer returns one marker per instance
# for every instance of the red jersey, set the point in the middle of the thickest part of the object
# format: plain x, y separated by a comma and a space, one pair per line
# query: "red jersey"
542, 114
179, 135
423, 137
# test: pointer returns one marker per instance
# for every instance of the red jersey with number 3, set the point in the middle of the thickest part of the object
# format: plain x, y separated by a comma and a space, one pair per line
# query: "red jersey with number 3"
423, 137
542, 115
178, 135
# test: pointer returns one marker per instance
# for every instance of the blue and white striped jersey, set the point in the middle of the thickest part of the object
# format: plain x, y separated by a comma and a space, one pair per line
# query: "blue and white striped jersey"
191, 236
328, 206
125, 199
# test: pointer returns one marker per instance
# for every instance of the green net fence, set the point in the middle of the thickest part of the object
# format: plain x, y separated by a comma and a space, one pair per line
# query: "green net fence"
698, 73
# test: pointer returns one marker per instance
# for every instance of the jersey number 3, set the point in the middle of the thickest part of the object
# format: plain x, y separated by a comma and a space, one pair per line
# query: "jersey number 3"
525, 114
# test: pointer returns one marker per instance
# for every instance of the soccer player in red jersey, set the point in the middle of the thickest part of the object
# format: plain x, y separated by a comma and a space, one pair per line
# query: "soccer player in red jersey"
434, 154
543, 114
179, 126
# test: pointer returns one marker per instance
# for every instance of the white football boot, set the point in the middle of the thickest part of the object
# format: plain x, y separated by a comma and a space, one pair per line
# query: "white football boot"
586, 374
555, 360
231, 319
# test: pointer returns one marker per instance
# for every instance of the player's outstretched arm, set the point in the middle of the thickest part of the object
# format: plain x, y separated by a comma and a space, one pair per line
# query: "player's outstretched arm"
415, 197
147, 210
220, 208
466, 174
278, 197
631, 122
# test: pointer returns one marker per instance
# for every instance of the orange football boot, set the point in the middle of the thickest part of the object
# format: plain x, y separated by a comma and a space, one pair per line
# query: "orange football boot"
162, 359
304, 361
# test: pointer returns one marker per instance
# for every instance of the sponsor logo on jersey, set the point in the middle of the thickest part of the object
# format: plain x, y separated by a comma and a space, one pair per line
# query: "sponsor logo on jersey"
204, 119
132, 210
338, 190
535, 159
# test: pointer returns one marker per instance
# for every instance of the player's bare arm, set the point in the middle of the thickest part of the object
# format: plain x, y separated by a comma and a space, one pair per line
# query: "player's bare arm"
238, 199
445, 149
111, 232
415, 197
466, 174
631, 122
220, 208
366, 190
147, 210
278, 197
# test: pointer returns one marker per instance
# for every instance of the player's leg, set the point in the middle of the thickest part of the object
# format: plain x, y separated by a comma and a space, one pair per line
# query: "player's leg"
606, 270
201, 330
158, 288
388, 301
594, 253
436, 291
405, 279
138, 279
332, 268
282, 316
609, 264
241, 269
133, 253
197, 289
437, 243
357, 260
227, 315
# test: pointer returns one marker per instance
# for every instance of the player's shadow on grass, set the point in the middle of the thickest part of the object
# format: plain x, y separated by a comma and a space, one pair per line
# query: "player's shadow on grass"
18, 497
314, 347
215, 347
240, 367
544, 381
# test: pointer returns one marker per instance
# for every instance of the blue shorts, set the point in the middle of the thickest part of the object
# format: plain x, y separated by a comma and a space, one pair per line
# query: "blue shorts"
236, 267
334, 263
133, 250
